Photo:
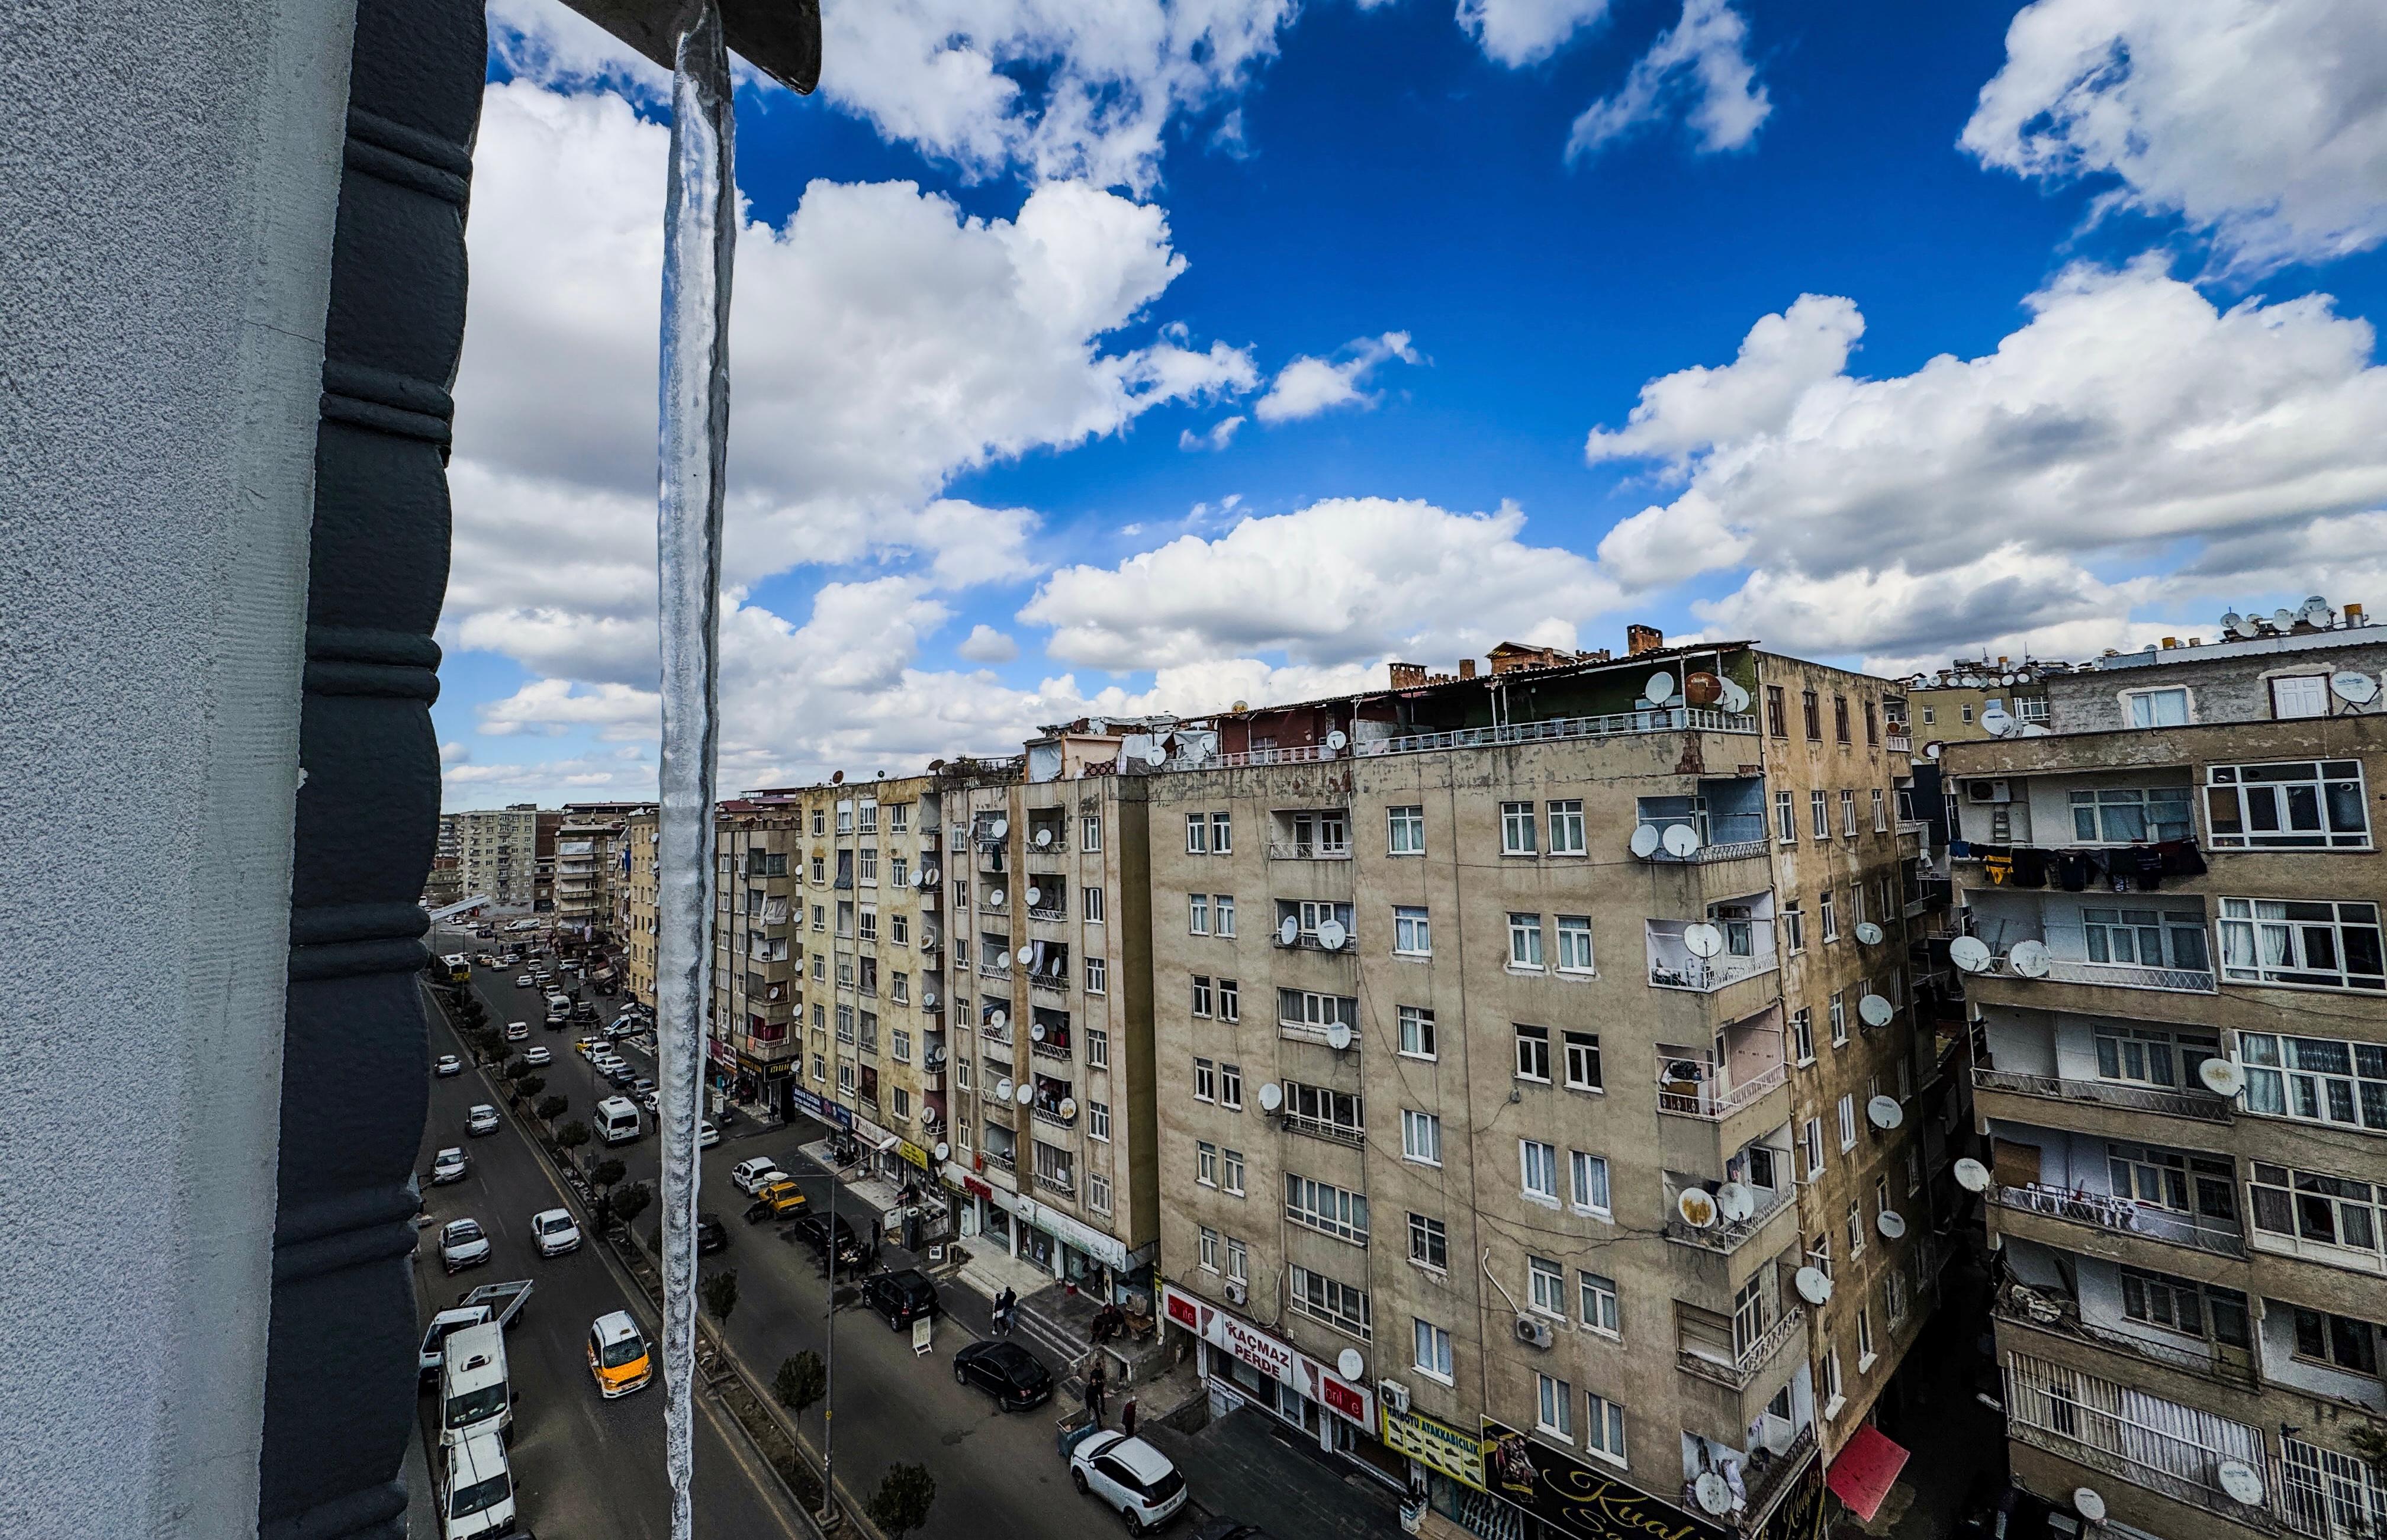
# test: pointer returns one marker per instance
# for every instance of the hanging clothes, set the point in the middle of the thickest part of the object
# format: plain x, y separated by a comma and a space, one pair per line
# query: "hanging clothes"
1997, 861
2181, 858
2145, 864
2029, 867
2072, 871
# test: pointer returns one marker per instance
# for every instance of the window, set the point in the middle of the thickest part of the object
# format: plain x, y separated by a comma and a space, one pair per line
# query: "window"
1820, 1253
1533, 1053
1089, 834
1865, 1341
1583, 1061
1840, 718
1323, 1207
1847, 1122
1412, 933
2345, 1343
2302, 805
2148, 1055
1222, 914
2032, 708
1416, 1031
1830, 916
1230, 1086
1575, 944
869, 859
1546, 1286
1833, 1399
1603, 1430
2156, 708
1555, 1414
1089, 900
1893, 1296
2317, 1208
1812, 719
900, 1045
1428, 1243
1205, 1081
1197, 834
2127, 815
1421, 1137
1913, 1166
1590, 1175
1777, 722
1238, 1259
2147, 938
1314, 1015
1566, 827
1433, 1356
1197, 914
2305, 943
1098, 1188
1839, 1012
2200, 1310
1539, 1163
1516, 829
819, 826
1597, 1297
903, 1102
1206, 1162
1209, 1249
1848, 815
1785, 818
1232, 1165
1819, 813
1337, 1303
2300, 694
1406, 831
1201, 1002
899, 818
845, 1078
899, 929
1930, 715
1880, 813
1873, 724
1966, 711
2317, 1080
1098, 1048
1098, 1121
1230, 1000
1794, 929
1222, 834
1802, 1035
1525, 941
1812, 1138
1097, 975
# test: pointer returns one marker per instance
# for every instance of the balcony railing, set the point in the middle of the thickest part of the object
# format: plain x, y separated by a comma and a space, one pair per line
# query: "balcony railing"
1897, 743
1320, 1128
995, 970
1308, 941
1729, 849
1706, 975
1295, 850
1727, 1235
1053, 983
1052, 1115
2122, 1216
2174, 1104
1063, 1182
1306, 753
1770, 1484
2127, 976
1048, 912
1753, 1359
1048, 1049
2088, 1419
995, 1034
1613, 725
1705, 1102
1005, 1159
2042, 1311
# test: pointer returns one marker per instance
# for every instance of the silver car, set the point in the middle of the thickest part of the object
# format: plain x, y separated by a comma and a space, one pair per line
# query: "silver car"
448, 1165
555, 1232
463, 1245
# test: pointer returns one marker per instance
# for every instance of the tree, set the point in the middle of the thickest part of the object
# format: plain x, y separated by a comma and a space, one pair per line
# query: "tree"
800, 1382
517, 1069
631, 1201
531, 1085
553, 1107
901, 1504
720, 1292
573, 1134
605, 1173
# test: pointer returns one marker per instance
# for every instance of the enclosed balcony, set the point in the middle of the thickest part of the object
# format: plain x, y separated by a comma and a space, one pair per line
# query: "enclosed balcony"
1310, 834
1047, 965
2110, 1070
2110, 941
1048, 1033
2130, 1202
1759, 1174
1733, 942
1725, 816
1047, 898
1308, 924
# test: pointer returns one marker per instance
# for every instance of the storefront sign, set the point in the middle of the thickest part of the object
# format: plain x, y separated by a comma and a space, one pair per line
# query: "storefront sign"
1436, 1444
818, 1108
1577, 1498
1106, 1249
912, 1153
722, 1054
1281, 1361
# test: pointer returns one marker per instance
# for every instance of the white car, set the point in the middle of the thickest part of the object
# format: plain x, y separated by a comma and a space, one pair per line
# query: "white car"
538, 1055
751, 1177
482, 1119
517, 1031
1131, 1476
463, 1245
449, 1065
525, 982
555, 1232
448, 1165
707, 1136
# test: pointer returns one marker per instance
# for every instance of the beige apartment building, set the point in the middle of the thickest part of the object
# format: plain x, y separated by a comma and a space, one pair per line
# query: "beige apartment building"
496, 852
634, 907
2179, 889
1523, 1039
588, 845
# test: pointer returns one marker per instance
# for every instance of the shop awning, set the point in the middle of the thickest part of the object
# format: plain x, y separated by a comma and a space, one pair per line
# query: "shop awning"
1863, 1473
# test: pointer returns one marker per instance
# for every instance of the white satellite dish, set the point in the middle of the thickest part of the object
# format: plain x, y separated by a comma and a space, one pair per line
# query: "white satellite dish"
1885, 1113
1024, 957
2029, 959
1289, 933
1330, 934
1271, 1097
2035, 729
2246, 629
1868, 933
1156, 756
1736, 1202
944, 1150
1892, 1224
1646, 837
1702, 939
1972, 1176
995, 898
1697, 1209
1682, 841
2284, 619
1996, 722
1335, 740
1934, 749
1338, 1036
1023, 1094
929, 1000
1035, 1031
1002, 1088
999, 829
1812, 1285
2087, 1504
1969, 953
2358, 688
2239, 1480
1350, 1364
1713, 1493
2222, 1077
1660, 690
1035, 897
997, 1018
1044, 837
1735, 698
2315, 610
2231, 620
1069, 1106
1875, 1011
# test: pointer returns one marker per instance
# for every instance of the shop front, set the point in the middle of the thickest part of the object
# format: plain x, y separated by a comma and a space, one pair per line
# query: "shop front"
1071, 1252
1245, 1366
1538, 1491
818, 1108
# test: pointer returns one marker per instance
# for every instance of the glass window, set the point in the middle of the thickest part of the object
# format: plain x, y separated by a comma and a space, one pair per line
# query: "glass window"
2199, 1310
2303, 804
1785, 818
1847, 1122
1583, 1061
1405, 830
1206, 1162
1540, 1165
1335, 1302
1880, 813
2308, 943
1209, 1249
1230, 1000
1526, 940
2338, 1341
1205, 1081
1433, 1356
1533, 1053
1574, 943
1098, 1121
2317, 1080
1819, 813
1555, 1414
1546, 1285
1325, 1207
1230, 1086
1223, 836
1421, 1137
1848, 815
1598, 1298
1838, 1011
2127, 815
1604, 1428
2315, 1207
1416, 1031
1516, 829
1829, 915
1197, 834
1238, 1259
1232, 1170
1812, 719
1097, 975
2147, 1055
1197, 912
2146, 938
1590, 1175
1777, 722
2157, 708
1802, 1035
1089, 834
1566, 827
1222, 914
1429, 1243
1091, 900
1812, 1137
1412, 932
1840, 718
1201, 1001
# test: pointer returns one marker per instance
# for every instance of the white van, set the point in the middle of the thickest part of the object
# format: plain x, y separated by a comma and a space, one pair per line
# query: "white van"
559, 1009
475, 1398
476, 1489
617, 1120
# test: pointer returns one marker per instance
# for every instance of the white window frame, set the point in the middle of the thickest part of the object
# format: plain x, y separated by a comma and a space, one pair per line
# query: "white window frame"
1566, 827
1532, 1056
1197, 914
1222, 834
1525, 942
1407, 820
1538, 1171
1574, 946
1604, 1428
1412, 931
1811, 1138
1098, 1121
1090, 905
1421, 1137
1587, 1181
2142, 708
1848, 813
1430, 1350
1545, 1287
1802, 1035
1416, 1026
1847, 1112
2250, 937
1520, 829
1599, 1309
1197, 834
2239, 782
1819, 807
1554, 1413
1786, 819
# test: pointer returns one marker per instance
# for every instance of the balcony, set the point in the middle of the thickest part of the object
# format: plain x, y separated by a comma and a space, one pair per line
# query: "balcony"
999, 968
2170, 1103
1673, 965
1751, 1361
1060, 1183
1770, 1484
1052, 1117
2059, 1315
1306, 940
1320, 1128
1051, 913
1703, 1099
2127, 976
1298, 850
1612, 725
1304, 753
1897, 743
1002, 1159
1056, 981
2121, 1216
998, 1035
1727, 1236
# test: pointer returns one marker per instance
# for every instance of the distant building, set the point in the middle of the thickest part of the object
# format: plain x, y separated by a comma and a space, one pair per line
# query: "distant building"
496, 852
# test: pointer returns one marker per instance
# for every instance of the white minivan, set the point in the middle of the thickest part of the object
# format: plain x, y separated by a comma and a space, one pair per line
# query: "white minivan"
474, 1396
476, 1489
559, 1009
617, 1120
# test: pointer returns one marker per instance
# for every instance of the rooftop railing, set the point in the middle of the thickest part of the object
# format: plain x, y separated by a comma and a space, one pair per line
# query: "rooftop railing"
1612, 725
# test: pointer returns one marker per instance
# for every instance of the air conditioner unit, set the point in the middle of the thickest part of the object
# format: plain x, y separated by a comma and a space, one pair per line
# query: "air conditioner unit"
1989, 792
1236, 1292
1534, 1331
1393, 1394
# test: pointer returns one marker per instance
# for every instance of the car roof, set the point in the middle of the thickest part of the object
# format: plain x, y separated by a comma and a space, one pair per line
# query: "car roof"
546, 1214
1007, 1353
910, 1278
483, 1106
616, 1326
456, 1150
1148, 1463
478, 1459
456, 1225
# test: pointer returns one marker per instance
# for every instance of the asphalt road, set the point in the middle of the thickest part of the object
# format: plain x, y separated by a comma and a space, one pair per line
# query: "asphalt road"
583, 1466
998, 1474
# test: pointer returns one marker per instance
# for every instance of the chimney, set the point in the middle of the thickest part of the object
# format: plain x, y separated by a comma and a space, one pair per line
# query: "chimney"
1407, 675
1642, 638
1467, 668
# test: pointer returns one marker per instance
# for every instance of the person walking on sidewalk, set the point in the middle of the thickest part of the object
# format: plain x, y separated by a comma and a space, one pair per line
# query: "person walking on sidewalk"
1126, 1417
1094, 1388
1005, 1303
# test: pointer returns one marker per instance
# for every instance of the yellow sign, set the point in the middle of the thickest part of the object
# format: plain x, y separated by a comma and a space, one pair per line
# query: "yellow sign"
912, 1153
1434, 1444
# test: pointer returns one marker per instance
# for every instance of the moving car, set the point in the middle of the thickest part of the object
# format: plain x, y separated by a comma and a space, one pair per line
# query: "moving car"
1130, 1475
617, 1120
538, 1056
525, 982
517, 1031
707, 1136
482, 1119
554, 1232
474, 1394
448, 1165
902, 1297
618, 1359
749, 1176
449, 1064
853, 1252
777, 1200
463, 1245
1007, 1371
476, 1489
712, 1235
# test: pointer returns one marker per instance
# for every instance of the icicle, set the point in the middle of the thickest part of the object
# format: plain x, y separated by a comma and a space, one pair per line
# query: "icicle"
700, 232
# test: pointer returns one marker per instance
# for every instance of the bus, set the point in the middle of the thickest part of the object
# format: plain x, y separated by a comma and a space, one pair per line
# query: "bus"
459, 967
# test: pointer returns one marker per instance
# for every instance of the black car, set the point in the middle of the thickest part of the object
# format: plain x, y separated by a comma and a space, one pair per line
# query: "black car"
902, 1297
623, 1076
1007, 1371
853, 1251
711, 1234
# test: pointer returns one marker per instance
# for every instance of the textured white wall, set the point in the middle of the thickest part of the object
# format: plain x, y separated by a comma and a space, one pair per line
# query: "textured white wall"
166, 209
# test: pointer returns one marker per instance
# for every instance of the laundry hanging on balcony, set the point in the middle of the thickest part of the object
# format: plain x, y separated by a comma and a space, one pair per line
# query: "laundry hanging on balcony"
2120, 868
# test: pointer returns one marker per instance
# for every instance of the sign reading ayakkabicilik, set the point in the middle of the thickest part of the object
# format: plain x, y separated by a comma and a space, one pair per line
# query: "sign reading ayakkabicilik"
1562, 1490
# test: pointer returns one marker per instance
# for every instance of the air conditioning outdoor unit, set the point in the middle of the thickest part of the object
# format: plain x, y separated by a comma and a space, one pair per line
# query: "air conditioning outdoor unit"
1236, 1292
1395, 1395
1989, 792
1534, 1331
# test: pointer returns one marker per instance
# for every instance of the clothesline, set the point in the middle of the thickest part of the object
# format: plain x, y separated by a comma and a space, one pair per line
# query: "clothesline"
2118, 868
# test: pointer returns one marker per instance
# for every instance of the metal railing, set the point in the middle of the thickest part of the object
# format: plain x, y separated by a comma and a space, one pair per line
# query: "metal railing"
1048, 912
1294, 849
995, 970
1320, 1128
2065, 1322
1006, 1159
1044, 1114
1065, 1184
1059, 983
1751, 1361
2122, 1216
995, 1034
1729, 849
1048, 1049
1308, 941
2094, 1421
2130, 976
1767, 1487
1613, 725
1897, 743
1728, 1235
1704, 1103
2175, 1104
1305, 753
1705, 975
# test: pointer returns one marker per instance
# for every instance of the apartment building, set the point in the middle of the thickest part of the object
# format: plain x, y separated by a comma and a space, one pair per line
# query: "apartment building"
754, 1025
1973, 699
2183, 1004
496, 852
634, 897
1524, 1040
587, 866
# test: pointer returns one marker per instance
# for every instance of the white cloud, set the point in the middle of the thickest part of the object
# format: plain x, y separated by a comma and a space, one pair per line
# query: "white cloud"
452, 753
1221, 433
1782, 356
1518, 33
1703, 60
1343, 581
987, 645
1309, 385
554, 706
2261, 122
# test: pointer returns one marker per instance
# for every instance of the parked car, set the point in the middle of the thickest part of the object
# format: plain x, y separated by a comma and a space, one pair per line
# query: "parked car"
538, 1056
476, 1489
712, 1235
588, 1047
650, 1101
446, 1065
463, 1245
482, 1119
747, 1176
501, 1301
777, 1200
854, 1250
707, 1136
554, 1232
622, 1075
1131, 1476
902, 1297
1005, 1371
525, 982
618, 1359
642, 1085
448, 1165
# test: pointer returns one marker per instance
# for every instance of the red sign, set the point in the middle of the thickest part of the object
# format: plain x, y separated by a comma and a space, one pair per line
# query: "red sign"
1342, 1397
1278, 1361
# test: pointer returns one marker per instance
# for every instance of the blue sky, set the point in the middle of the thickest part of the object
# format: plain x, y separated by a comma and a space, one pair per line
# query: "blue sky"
2086, 355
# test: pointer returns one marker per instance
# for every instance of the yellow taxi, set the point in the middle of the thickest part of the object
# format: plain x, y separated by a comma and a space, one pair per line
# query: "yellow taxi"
784, 1196
618, 1356
588, 1045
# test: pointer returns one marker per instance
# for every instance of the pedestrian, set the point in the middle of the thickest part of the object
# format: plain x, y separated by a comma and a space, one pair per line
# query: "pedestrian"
1126, 1417
1003, 1300
1094, 1388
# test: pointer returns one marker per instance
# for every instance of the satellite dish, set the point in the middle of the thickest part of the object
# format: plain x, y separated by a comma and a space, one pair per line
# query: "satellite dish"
1069, 1106
1697, 1209
1000, 828
1645, 841
1241, 706
1996, 722
1338, 1037
1972, 1176
1714, 1495
2231, 620
1892, 1224
1702, 939
1271, 1097
1735, 699
1335, 739
1330, 934
2087, 1504
2246, 629
1035, 897
2239, 1480
1350, 1364
994, 899
1023, 1094
997, 1018
2029, 959
929, 1000
1036, 1031
1868, 933
1969, 953
944, 1150
1934, 749
1682, 841
1002, 1088
1812, 1285
1044, 837
1156, 756
837, 779
1702, 689
2284, 619
1736, 1202
1660, 690
1875, 1011
1024, 957
2222, 1077
2358, 688
936, 765
2315, 610
1289, 933
1885, 1113
2035, 729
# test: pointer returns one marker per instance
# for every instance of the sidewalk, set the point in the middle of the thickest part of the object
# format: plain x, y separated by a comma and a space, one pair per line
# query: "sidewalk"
1246, 1466
881, 1195
991, 1270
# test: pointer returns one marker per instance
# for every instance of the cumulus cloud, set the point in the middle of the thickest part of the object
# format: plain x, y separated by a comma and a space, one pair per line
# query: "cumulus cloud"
1344, 581
555, 706
1221, 433
987, 645
1781, 356
1518, 33
2260, 122
1309, 385
1699, 67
